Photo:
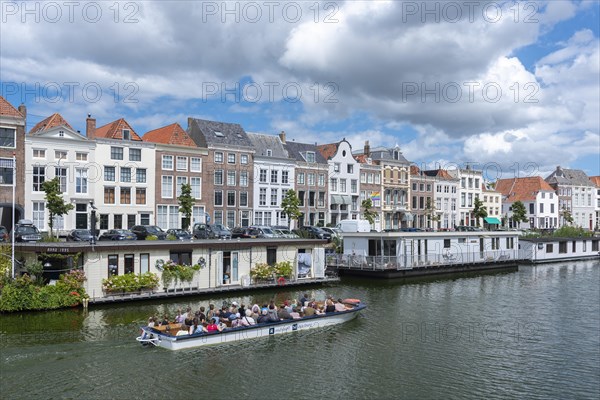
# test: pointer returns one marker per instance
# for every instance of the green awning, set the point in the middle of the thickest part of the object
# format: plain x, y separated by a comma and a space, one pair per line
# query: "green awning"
492, 220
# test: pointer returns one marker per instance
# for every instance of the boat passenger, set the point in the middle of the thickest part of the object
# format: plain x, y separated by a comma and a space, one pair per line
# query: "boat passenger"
165, 320
309, 311
295, 314
188, 317
288, 306
303, 300
255, 312
179, 318
235, 320
242, 310
211, 311
283, 313
151, 322
201, 314
272, 313
225, 313
247, 320
263, 318
196, 327
329, 306
339, 306
213, 326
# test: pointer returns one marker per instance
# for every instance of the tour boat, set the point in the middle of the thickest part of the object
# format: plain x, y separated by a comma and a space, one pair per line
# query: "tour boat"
169, 338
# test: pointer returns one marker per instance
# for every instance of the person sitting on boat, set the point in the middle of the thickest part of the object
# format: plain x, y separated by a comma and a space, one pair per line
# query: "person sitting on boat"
225, 313
211, 311
288, 306
295, 314
151, 322
283, 313
272, 313
329, 306
309, 311
213, 326
255, 312
247, 320
196, 327
201, 315
189, 317
179, 318
242, 310
165, 320
263, 318
235, 320
303, 300
339, 306
234, 307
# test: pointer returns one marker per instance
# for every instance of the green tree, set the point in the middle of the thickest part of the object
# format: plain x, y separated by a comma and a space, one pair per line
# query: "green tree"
519, 213
368, 213
290, 206
431, 210
479, 210
186, 204
54, 202
566, 214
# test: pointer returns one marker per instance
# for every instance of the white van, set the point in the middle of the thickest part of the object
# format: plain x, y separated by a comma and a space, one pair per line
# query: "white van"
354, 225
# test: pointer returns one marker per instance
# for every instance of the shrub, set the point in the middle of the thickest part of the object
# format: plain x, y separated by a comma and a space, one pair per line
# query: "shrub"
151, 237
130, 282
284, 269
262, 271
178, 273
571, 231
171, 237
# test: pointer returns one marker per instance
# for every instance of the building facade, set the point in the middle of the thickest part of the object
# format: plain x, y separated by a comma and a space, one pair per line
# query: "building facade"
470, 181
539, 199
12, 145
423, 205
576, 195
445, 197
228, 171
370, 187
178, 161
275, 175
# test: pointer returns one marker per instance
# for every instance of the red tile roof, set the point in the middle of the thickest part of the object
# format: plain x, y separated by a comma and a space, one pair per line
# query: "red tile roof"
414, 170
328, 150
52, 121
7, 109
170, 134
522, 189
114, 130
595, 180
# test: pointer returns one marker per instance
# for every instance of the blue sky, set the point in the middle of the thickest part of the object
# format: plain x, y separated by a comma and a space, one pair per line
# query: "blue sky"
388, 71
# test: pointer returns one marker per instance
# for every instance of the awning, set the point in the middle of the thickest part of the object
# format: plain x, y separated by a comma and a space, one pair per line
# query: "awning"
340, 199
407, 217
492, 220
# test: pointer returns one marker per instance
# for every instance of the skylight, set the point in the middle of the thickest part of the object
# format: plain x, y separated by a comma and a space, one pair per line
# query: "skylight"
219, 134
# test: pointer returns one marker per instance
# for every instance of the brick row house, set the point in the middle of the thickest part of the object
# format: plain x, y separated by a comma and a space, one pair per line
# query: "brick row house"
178, 161
274, 174
576, 193
423, 206
311, 183
53, 149
12, 145
538, 197
344, 178
228, 171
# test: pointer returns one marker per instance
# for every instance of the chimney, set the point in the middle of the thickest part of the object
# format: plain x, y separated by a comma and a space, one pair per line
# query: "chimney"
282, 137
23, 110
367, 149
90, 127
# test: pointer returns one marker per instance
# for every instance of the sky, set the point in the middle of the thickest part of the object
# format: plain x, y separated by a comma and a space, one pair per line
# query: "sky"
510, 88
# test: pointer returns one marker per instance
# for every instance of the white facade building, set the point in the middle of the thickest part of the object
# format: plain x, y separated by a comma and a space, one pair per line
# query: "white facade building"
52, 150
445, 197
470, 181
577, 194
274, 175
539, 199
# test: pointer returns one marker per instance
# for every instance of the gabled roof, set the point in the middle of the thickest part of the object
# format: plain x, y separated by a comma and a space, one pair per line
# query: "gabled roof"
114, 130
297, 151
439, 173
263, 142
566, 176
328, 150
522, 189
213, 133
7, 109
52, 121
595, 180
170, 134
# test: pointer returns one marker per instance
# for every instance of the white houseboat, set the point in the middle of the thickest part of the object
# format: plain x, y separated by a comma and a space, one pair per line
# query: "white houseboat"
541, 250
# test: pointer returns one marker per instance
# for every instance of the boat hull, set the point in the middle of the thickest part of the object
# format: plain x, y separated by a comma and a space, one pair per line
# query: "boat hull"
256, 331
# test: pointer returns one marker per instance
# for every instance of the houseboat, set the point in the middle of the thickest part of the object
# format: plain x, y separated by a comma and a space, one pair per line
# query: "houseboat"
543, 250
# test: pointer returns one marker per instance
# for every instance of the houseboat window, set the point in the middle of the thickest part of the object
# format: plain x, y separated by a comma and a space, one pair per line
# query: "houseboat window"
144, 263
584, 246
374, 247
461, 240
594, 245
181, 258
113, 264
549, 248
574, 246
562, 247
129, 264
271, 255
389, 248
446, 243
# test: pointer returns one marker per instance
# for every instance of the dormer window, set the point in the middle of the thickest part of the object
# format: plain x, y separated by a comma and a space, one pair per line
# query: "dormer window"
61, 133
269, 152
126, 134
310, 156
219, 134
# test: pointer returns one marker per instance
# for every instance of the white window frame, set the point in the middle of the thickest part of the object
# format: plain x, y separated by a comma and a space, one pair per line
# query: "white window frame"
195, 164
165, 182
179, 163
167, 162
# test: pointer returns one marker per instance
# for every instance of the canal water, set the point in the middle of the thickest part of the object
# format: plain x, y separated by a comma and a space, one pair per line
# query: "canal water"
529, 334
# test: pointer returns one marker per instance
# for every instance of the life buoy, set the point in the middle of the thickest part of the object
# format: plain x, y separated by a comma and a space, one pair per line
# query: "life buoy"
351, 301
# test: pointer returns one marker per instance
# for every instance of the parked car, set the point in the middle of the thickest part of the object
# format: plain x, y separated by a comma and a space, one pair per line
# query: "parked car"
26, 231
118, 234
243, 233
335, 232
285, 233
80, 235
464, 228
207, 231
313, 232
263, 231
180, 234
4, 237
143, 231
